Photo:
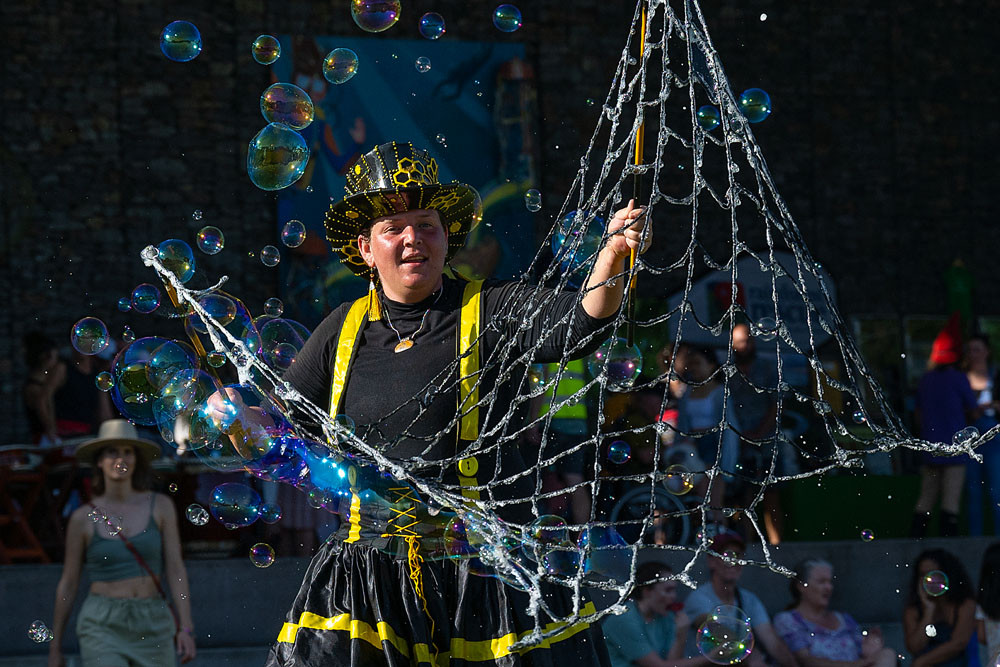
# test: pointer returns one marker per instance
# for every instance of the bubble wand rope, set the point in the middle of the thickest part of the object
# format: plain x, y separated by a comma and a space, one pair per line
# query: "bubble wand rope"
636, 192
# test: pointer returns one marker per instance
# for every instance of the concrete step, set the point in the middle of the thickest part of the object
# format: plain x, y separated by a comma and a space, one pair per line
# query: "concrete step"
248, 656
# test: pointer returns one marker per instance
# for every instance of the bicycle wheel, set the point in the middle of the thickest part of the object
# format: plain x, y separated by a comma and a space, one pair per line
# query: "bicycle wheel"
632, 508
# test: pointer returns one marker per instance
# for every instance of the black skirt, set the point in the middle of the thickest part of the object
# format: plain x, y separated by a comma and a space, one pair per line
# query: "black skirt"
358, 606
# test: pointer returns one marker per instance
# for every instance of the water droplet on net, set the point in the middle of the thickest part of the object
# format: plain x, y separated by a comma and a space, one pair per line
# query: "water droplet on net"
261, 554
431, 25
533, 200
766, 328
966, 436
216, 359
423, 64
180, 41
375, 15
507, 18
859, 417
210, 240
265, 49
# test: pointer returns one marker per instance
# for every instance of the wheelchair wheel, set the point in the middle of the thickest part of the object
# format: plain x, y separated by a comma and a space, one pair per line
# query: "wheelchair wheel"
628, 513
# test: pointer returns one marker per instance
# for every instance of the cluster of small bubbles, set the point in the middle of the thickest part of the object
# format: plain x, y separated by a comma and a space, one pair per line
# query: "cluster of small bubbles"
619, 452
180, 41
293, 234
965, 437
172, 487
709, 117
533, 200
210, 240
766, 329
867, 535
145, 298
935, 583
725, 637
89, 336
678, 480
104, 381
235, 504
755, 104
287, 103
441, 139
216, 359
261, 554
265, 49
277, 157
124, 304
423, 64
40, 633
269, 256
273, 307
507, 18
375, 15
270, 513
121, 467
177, 257
431, 25
340, 65
127, 334
619, 361
196, 514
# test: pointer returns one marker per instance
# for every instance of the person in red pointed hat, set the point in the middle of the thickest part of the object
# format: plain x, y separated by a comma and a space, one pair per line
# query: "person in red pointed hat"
946, 404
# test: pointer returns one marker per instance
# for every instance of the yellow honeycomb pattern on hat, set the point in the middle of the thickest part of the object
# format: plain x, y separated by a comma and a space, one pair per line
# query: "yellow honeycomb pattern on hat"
411, 173
444, 200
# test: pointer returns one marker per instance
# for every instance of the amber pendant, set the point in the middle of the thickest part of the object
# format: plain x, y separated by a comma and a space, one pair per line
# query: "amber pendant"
403, 345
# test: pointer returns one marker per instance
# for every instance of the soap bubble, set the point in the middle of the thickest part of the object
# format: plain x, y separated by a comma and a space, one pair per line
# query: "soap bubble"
196, 514
935, 583
678, 480
273, 307
261, 554
576, 240
40, 633
545, 532
124, 304
604, 554
180, 41
277, 157
177, 257
266, 49
104, 381
184, 392
287, 103
172, 487
140, 370
432, 25
270, 513
127, 334
621, 363
340, 65
219, 307
755, 104
507, 18
293, 234
269, 256
536, 379
965, 437
145, 298
867, 535
168, 359
533, 200
89, 336
619, 452
423, 64
441, 139
235, 504
121, 467
216, 359
859, 417
210, 240
281, 340
375, 15
725, 638
196, 214
766, 328
709, 117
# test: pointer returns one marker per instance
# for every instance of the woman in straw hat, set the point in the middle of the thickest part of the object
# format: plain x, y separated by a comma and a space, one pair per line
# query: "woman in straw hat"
398, 362
128, 538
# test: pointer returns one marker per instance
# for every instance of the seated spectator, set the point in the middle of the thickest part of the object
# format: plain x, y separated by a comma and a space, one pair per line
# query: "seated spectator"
938, 625
722, 589
45, 375
652, 631
988, 611
820, 637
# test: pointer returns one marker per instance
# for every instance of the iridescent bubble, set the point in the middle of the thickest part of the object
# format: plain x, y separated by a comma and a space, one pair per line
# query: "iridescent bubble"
441, 139
40, 633
605, 552
766, 328
137, 382
269, 256
423, 64
346, 423
678, 480
533, 200
507, 18
575, 242
219, 307
431, 25
375, 15
273, 307
124, 304
196, 214
270, 513
340, 65
181, 395
127, 334
145, 298
965, 437
261, 554
265, 49
709, 117
210, 240
545, 532
104, 381
755, 104
867, 535
859, 417
167, 360
318, 498
180, 41
196, 514
216, 359
287, 103
277, 157
619, 452
619, 361
89, 336
121, 467
235, 504
293, 234
562, 560
177, 257
725, 639
172, 487
935, 583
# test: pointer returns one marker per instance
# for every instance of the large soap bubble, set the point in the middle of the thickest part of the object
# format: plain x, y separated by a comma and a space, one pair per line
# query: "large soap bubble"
134, 389
431, 25
375, 15
620, 361
340, 65
725, 637
182, 393
277, 157
235, 505
266, 49
287, 103
180, 41
145, 298
178, 258
89, 336
219, 307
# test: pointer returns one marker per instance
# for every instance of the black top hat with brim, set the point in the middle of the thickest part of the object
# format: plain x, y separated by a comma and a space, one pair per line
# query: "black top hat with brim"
376, 186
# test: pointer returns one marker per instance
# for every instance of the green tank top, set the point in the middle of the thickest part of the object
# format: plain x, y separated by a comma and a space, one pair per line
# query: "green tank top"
108, 559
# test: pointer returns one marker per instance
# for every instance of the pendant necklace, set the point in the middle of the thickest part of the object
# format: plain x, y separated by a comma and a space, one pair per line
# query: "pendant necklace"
406, 343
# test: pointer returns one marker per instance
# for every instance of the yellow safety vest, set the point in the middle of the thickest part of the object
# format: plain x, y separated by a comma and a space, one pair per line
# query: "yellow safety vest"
573, 380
